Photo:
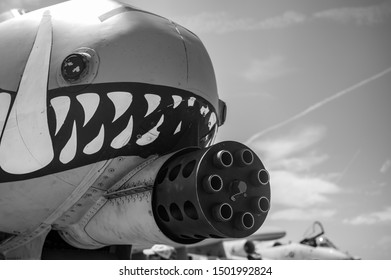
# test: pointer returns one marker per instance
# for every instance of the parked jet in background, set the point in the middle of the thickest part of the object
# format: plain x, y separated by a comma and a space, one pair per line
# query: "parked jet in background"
223, 249
108, 115
314, 246
213, 248
262, 245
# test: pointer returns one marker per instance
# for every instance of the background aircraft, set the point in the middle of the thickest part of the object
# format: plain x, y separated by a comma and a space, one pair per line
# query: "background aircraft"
314, 246
213, 248
108, 114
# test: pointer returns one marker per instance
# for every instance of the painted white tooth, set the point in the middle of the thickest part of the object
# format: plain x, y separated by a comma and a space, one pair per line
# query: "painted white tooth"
90, 103
96, 144
178, 128
151, 135
26, 145
123, 138
209, 143
5, 102
177, 100
69, 151
191, 101
121, 101
204, 111
212, 120
153, 102
61, 107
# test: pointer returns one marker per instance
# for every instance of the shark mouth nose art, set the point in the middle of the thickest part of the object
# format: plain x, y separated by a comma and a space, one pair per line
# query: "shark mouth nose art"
104, 121
47, 131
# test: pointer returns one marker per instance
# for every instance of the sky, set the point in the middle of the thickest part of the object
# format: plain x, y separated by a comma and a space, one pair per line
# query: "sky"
308, 88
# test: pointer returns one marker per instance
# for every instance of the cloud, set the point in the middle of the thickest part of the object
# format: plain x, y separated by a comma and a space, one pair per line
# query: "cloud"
287, 19
222, 23
268, 69
299, 164
371, 218
386, 166
318, 105
360, 15
290, 160
294, 214
300, 191
295, 142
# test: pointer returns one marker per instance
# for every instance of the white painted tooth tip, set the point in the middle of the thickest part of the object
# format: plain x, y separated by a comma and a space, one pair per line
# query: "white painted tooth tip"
151, 135
124, 137
146, 139
212, 120
161, 120
178, 128
191, 101
153, 101
177, 100
96, 144
61, 106
121, 101
204, 111
90, 103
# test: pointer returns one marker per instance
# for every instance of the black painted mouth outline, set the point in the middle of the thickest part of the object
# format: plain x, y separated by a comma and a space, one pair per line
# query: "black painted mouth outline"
196, 115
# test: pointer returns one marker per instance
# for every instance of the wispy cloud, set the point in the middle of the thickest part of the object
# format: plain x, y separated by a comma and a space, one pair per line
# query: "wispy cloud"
294, 151
386, 166
371, 218
300, 191
301, 163
291, 187
270, 68
287, 19
222, 22
359, 15
290, 160
277, 148
318, 105
294, 214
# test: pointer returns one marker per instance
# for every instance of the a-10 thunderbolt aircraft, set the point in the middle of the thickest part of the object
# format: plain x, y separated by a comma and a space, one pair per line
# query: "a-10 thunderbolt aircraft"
108, 115
315, 246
